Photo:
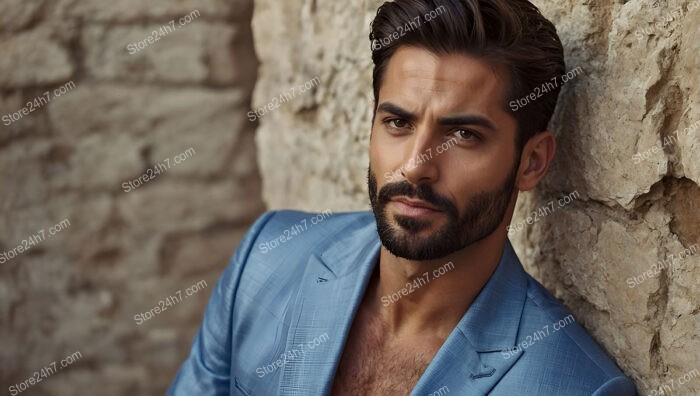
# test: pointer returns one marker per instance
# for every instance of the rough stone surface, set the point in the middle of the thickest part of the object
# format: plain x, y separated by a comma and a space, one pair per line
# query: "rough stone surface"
17, 14
123, 252
629, 214
33, 58
116, 54
135, 11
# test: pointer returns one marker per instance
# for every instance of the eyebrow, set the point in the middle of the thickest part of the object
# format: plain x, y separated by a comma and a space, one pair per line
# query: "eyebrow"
467, 119
388, 107
462, 119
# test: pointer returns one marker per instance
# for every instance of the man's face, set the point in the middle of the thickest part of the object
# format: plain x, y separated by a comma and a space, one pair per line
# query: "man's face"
442, 153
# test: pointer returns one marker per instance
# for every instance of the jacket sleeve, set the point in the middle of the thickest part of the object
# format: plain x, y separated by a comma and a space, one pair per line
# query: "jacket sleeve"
207, 370
618, 386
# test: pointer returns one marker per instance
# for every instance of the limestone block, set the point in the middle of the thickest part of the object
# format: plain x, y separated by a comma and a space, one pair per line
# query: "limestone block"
135, 10
33, 58
17, 14
150, 52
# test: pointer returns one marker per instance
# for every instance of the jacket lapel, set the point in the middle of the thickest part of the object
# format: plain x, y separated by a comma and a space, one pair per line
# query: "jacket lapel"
470, 361
333, 286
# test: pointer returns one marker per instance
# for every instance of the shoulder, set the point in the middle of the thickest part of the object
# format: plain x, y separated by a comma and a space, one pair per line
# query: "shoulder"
279, 245
558, 351
286, 232
276, 235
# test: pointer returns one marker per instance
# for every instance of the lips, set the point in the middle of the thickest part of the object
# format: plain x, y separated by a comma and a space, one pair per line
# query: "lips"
416, 203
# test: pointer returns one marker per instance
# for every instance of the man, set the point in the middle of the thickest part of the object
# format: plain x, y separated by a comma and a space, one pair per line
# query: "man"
425, 296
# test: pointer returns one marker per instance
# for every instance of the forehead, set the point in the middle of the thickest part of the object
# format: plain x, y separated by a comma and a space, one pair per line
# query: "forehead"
423, 81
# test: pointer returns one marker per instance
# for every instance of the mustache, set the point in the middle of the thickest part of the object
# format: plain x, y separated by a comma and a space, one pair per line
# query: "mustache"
422, 191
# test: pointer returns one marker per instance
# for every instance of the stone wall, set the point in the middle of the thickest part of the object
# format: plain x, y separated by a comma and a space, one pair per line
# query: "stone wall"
119, 106
627, 201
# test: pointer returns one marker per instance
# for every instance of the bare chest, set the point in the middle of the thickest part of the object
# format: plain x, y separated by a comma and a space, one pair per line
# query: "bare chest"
373, 366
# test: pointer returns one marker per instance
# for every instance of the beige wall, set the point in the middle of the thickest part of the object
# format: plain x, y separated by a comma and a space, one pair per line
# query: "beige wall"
633, 90
123, 252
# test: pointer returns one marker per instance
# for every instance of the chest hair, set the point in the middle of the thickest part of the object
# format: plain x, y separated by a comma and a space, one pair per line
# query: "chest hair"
373, 365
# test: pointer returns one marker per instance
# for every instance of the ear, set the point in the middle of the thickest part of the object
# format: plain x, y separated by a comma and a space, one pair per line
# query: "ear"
535, 160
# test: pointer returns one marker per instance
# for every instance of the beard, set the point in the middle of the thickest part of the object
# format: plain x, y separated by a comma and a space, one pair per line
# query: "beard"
481, 216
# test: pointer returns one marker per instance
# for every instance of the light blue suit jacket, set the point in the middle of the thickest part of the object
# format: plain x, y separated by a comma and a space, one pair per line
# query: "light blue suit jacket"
279, 317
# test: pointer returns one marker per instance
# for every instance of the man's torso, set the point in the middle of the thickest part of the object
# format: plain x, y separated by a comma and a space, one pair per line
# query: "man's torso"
374, 362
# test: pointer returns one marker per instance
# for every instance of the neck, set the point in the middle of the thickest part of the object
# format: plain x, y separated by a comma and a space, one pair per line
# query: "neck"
432, 296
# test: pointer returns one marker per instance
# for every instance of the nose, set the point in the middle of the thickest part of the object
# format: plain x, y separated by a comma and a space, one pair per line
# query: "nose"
420, 167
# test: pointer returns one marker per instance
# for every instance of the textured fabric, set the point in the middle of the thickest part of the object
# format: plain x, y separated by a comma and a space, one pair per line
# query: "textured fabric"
279, 317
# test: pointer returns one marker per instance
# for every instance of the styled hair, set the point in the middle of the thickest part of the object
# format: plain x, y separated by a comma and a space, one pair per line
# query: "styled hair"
511, 33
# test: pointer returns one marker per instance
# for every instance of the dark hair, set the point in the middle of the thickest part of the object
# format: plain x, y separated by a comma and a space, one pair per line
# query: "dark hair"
512, 33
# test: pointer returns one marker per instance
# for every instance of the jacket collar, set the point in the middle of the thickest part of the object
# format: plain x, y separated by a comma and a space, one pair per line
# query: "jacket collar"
332, 288
470, 360
334, 284
491, 322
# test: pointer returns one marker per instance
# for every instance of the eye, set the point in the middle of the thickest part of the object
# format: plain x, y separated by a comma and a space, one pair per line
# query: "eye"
466, 134
397, 123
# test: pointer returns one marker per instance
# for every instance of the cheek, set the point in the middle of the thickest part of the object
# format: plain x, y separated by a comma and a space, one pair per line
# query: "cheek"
464, 179
381, 155
375, 160
483, 168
